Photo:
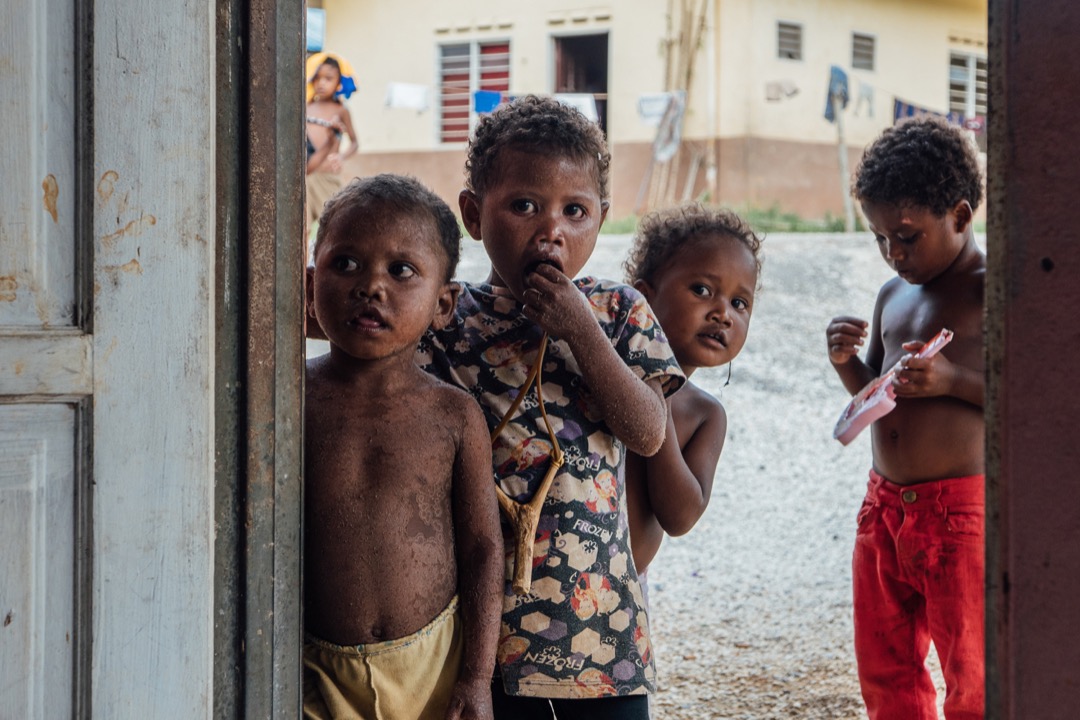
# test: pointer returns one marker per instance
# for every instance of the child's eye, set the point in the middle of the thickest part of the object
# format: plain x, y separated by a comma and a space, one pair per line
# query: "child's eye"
402, 270
575, 211
909, 239
344, 264
523, 206
700, 290
740, 304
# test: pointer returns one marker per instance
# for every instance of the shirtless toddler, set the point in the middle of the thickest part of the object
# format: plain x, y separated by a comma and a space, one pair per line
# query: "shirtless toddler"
402, 547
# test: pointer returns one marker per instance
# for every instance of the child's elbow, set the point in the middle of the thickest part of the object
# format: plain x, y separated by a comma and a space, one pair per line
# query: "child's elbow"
649, 446
653, 431
681, 522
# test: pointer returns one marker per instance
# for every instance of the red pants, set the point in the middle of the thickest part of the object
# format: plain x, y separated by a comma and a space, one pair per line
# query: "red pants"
918, 571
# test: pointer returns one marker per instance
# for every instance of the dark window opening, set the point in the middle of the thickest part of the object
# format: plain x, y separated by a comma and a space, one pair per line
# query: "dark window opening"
581, 66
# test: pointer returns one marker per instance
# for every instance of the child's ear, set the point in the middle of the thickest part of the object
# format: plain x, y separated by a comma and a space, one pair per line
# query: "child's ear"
964, 216
604, 207
644, 288
311, 323
469, 204
447, 303
309, 291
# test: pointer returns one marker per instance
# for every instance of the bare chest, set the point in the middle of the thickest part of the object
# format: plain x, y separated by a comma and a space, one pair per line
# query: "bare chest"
372, 458
914, 314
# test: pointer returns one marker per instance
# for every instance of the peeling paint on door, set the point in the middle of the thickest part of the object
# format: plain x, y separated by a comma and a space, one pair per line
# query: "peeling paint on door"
51, 190
8, 286
105, 186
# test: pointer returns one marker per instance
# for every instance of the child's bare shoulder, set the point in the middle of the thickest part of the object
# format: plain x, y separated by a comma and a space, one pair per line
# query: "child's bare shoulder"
442, 397
696, 408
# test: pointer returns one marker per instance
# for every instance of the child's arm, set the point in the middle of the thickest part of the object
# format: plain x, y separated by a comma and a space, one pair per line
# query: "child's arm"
680, 481
479, 551
633, 409
845, 335
344, 123
318, 158
935, 375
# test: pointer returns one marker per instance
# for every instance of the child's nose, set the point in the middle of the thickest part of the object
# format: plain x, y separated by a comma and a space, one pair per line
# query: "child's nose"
721, 312
370, 285
552, 228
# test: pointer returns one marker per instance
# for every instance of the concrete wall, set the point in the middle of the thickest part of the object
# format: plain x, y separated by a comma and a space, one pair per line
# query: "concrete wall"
781, 153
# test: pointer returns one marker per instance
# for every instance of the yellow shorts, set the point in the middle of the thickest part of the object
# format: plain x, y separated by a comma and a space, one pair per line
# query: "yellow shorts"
406, 679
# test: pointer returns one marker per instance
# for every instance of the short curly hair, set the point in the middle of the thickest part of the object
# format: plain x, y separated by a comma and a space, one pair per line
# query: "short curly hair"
923, 161
661, 234
396, 195
540, 125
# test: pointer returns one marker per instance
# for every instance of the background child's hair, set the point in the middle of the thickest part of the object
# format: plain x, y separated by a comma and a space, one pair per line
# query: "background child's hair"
535, 124
662, 233
923, 161
399, 195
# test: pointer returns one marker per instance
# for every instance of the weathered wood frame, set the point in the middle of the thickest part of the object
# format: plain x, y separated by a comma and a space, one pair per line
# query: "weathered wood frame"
260, 349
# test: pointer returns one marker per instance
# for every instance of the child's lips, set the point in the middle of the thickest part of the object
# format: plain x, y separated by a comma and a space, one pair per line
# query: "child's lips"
719, 338
368, 320
534, 265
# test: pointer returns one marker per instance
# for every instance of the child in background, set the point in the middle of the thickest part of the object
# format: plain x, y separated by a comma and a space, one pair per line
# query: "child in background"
577, 644
327, 120
402, 552
698, 269
918, 563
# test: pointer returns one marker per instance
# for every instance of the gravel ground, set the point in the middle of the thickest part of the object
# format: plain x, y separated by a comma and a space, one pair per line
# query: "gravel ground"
751, 611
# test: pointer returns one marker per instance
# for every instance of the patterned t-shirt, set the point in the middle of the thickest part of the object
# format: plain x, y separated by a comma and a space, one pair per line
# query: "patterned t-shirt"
582, 630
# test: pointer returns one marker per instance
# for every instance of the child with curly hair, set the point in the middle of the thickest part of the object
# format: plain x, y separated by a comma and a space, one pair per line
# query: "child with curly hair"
918, 563
571, 374
699, 270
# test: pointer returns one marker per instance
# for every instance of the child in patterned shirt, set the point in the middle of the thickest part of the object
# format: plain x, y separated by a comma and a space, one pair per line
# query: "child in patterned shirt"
575, 644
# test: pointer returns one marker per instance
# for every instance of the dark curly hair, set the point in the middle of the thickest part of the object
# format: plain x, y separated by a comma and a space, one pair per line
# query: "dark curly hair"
395, 195
923, 161
663, 233
540, 125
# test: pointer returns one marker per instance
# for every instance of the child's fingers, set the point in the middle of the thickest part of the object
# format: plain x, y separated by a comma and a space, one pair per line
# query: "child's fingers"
548, 275
849, 320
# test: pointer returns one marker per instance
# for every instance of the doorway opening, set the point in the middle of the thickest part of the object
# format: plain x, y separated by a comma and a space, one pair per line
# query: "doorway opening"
581, 67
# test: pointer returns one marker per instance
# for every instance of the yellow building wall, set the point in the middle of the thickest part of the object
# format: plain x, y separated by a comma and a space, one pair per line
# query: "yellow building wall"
768, 153
912, 46
399, 41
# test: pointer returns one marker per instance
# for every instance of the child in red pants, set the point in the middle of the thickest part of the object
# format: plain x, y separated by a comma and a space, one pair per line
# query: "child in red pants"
918, 564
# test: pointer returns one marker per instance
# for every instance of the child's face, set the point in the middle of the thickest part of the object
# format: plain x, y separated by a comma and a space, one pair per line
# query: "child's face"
703, 297
539, 209
378, 284
326, 82
915, 243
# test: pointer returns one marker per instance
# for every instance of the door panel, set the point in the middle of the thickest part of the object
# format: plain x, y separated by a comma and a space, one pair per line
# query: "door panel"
46, 369
37, 265
37, 532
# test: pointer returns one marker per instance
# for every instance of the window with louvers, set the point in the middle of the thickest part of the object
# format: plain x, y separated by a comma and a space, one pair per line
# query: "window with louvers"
463, 69
789, 41
968, 89
862, 51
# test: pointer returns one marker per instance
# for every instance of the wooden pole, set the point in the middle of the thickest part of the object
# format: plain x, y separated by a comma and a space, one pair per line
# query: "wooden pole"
845, 176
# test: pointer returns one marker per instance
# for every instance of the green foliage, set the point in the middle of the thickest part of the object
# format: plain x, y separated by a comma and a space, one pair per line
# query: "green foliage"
775, 220
619, 226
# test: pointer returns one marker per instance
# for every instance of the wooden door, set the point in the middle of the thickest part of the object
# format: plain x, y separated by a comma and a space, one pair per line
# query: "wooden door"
46, 372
